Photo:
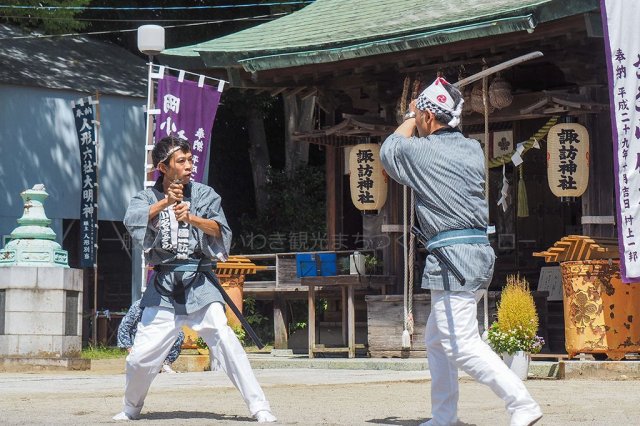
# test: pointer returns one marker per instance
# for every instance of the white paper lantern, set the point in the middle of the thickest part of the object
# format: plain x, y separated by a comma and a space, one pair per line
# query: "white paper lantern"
150, 39
368, 182
568, 159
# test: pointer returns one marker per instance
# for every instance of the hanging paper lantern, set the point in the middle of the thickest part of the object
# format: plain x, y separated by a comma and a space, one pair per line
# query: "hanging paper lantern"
500, 93
476, 100
367, 181
568, 159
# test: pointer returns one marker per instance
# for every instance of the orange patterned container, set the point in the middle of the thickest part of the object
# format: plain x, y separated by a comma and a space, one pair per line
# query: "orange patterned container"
233, 285
601, 314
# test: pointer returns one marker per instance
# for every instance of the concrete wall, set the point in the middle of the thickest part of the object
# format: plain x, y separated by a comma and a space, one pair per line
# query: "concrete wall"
39, 144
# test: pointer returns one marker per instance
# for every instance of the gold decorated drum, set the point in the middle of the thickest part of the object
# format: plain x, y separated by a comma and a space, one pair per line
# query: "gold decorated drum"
601, 313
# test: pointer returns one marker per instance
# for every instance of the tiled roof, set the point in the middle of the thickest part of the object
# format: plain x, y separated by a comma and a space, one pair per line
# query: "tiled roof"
331, 30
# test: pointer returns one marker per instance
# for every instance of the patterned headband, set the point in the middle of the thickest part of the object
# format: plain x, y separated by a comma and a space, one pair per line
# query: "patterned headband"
169, 154
436, 99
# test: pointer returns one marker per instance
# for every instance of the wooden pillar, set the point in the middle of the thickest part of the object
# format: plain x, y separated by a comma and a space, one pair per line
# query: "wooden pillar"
311, 323
333, 176
345, 316
351, 320
280, 321
392, 253
598, 201
332, 196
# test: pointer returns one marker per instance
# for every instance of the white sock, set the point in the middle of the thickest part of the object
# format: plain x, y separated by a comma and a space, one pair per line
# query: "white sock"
265, 416
122, 416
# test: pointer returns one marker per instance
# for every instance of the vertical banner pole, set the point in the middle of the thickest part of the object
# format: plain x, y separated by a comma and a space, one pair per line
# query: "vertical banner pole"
148, 172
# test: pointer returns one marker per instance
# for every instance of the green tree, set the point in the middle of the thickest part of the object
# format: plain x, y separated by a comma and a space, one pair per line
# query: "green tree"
50, 21
295, 207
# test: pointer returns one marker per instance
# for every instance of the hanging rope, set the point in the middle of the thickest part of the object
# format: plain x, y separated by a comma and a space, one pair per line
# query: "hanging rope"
412, 256
536, 138
485, 103
412, 242
406, 340
408, 239
406, 336
405, 94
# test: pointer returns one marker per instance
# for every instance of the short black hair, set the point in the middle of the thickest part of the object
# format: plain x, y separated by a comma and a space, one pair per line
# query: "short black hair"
164, 146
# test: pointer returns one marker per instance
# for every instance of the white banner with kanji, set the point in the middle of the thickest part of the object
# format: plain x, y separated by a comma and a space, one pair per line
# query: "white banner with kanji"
621, 20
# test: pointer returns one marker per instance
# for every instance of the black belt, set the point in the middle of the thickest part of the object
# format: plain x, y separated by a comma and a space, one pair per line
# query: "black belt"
203, 266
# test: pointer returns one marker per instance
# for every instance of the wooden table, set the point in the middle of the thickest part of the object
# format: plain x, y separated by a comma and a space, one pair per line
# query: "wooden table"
347, 284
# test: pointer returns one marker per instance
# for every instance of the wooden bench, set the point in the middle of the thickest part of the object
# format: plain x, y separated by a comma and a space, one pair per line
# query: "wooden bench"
347, 285
281, 286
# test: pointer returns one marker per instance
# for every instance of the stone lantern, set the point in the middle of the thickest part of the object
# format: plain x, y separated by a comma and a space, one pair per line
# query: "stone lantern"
40, 296
33, 242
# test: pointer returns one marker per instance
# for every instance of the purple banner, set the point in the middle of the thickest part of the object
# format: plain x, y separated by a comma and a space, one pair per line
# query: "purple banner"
187, 111
622, 47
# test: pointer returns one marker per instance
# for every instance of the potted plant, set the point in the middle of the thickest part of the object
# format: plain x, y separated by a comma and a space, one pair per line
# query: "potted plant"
203, 349
371, 264
514, 333
201, 346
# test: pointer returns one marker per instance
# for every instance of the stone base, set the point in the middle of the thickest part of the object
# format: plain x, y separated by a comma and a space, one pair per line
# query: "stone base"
282, 352
397, 353
600, 370
16, 364
192, 363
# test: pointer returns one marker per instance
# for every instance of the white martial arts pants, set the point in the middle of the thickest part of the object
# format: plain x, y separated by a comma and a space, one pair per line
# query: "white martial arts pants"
453, 342
158, 330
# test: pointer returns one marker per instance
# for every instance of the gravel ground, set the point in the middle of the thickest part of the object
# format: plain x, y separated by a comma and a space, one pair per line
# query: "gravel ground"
302, 397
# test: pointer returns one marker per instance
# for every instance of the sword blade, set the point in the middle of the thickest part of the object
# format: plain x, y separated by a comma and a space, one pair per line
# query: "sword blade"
496, 68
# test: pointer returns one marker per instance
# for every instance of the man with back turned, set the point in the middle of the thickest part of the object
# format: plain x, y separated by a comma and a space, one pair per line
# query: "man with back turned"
447, 173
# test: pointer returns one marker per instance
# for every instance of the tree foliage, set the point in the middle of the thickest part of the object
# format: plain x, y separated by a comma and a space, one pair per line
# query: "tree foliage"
123, 16
295, 210
50, 21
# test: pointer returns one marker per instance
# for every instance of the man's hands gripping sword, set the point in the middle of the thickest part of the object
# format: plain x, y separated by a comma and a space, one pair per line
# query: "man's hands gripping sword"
175, 197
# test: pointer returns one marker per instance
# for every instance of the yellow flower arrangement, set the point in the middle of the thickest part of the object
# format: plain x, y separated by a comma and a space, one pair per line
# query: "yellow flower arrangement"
517, 324
516, 308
